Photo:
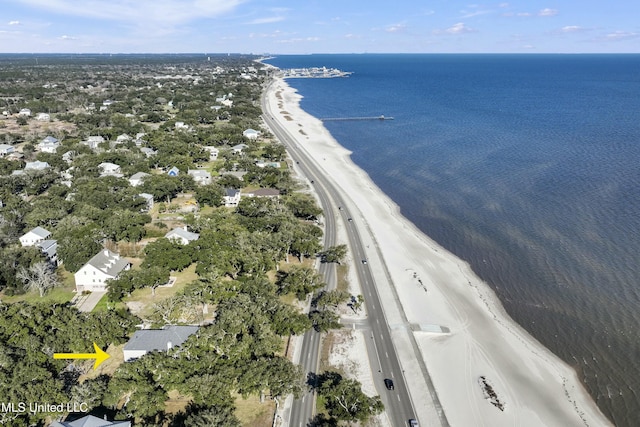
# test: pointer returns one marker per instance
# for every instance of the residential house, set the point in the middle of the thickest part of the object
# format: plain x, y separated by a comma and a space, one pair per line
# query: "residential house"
110, 169
6, 149
149, 199
123, 139
264, 192
238, 149
90, 421
107, 102
93, 141
69, 155
43, 117
137, 178
148, 340
37, 165
251, 134
231, 197
201, 177
31, 237
148, 151
182, 235
181, 125
50, 249
174, 171
213, 152
103, 266
263, 164
49, 145
15, 156
25, 112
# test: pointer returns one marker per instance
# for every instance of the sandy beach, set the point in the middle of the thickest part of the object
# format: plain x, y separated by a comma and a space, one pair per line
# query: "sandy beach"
486, 369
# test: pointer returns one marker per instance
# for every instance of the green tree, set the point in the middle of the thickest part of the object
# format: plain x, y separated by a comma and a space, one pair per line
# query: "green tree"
334, 254
345, 400
299, 280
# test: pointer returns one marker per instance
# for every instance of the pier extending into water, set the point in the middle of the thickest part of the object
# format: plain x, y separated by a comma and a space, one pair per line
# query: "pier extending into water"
335, 119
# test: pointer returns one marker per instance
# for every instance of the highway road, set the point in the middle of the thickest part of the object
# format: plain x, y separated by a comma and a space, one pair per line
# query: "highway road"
397, 402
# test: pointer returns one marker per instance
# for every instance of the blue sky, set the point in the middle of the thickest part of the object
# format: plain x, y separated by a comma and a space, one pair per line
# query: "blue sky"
322, 26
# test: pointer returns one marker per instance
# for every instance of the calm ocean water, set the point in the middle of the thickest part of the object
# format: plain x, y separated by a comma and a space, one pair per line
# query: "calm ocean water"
526, 166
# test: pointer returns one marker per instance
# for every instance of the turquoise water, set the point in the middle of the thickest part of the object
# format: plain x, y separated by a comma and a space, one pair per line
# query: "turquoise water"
527, 166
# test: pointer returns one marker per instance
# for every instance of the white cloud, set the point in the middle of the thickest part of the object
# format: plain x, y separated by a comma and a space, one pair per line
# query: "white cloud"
66, 37
160, 12
14, 22
503, 5
467, 14
396, 28
548, 12
459, 28
572, 29
268, 20
620, 35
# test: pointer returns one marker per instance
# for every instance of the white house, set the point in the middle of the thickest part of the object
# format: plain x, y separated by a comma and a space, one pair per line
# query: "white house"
50, 249
123, 139
231, 197
69, 155
148, 151
181, 125
149, 199
237, 149
182, 235
137, 178
25, 112
6, 149
93, 141
213, 152
251, 134
37, 165
49, 145
110, 169
43, 117
103, 266
201, 177
31, 237
147, 340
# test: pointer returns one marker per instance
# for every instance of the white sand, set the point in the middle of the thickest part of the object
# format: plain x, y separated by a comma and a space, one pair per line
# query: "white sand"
536, 387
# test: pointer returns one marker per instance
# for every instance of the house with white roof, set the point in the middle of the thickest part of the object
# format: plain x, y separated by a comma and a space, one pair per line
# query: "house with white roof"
182, 235
251, 134
201, 177
43, 117
123, 139
37, 165
148, 340
148, 151
181, 125
6, 149
103, 266
110, 169
137, 178
237, 149
25, 112
213, 152
31, 237
93, 141
231, 197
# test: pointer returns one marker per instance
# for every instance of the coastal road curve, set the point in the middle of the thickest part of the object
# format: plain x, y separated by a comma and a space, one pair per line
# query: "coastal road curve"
385, 364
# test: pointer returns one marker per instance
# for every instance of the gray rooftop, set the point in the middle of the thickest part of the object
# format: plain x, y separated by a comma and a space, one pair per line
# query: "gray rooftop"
90, 421
231, 192
108, 262
49, 247
139, 175
181, 232
40, 232
159, 339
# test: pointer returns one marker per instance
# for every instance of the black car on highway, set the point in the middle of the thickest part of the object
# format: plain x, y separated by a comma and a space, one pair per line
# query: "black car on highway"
388, 383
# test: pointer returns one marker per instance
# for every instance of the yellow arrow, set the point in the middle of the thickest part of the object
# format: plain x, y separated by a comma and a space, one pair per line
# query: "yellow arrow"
99, 355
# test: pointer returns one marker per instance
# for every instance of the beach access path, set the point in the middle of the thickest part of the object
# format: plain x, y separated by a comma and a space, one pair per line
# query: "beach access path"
486, 370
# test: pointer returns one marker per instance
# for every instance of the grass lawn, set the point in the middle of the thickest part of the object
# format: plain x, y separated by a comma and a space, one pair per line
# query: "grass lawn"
252, 413
343, 274
62, 293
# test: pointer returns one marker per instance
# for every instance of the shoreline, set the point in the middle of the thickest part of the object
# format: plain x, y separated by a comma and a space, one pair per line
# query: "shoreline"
435, 288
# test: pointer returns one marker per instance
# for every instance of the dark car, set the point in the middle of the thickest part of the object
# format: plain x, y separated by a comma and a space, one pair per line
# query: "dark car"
364, 261
388, 383
413, 423
349, 219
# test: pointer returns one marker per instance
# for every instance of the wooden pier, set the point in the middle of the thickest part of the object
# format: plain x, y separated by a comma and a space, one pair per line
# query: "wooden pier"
336, 119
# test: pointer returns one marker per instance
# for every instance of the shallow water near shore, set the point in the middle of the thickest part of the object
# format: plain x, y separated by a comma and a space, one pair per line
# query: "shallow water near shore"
526, 167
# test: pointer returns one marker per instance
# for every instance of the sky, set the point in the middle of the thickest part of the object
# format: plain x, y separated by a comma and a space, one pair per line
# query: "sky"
322, 26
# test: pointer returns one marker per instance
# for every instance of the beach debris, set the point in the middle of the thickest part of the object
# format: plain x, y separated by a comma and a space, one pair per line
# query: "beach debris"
489, 393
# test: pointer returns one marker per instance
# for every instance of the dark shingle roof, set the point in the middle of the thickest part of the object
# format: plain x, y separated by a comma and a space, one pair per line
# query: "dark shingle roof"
158, 339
